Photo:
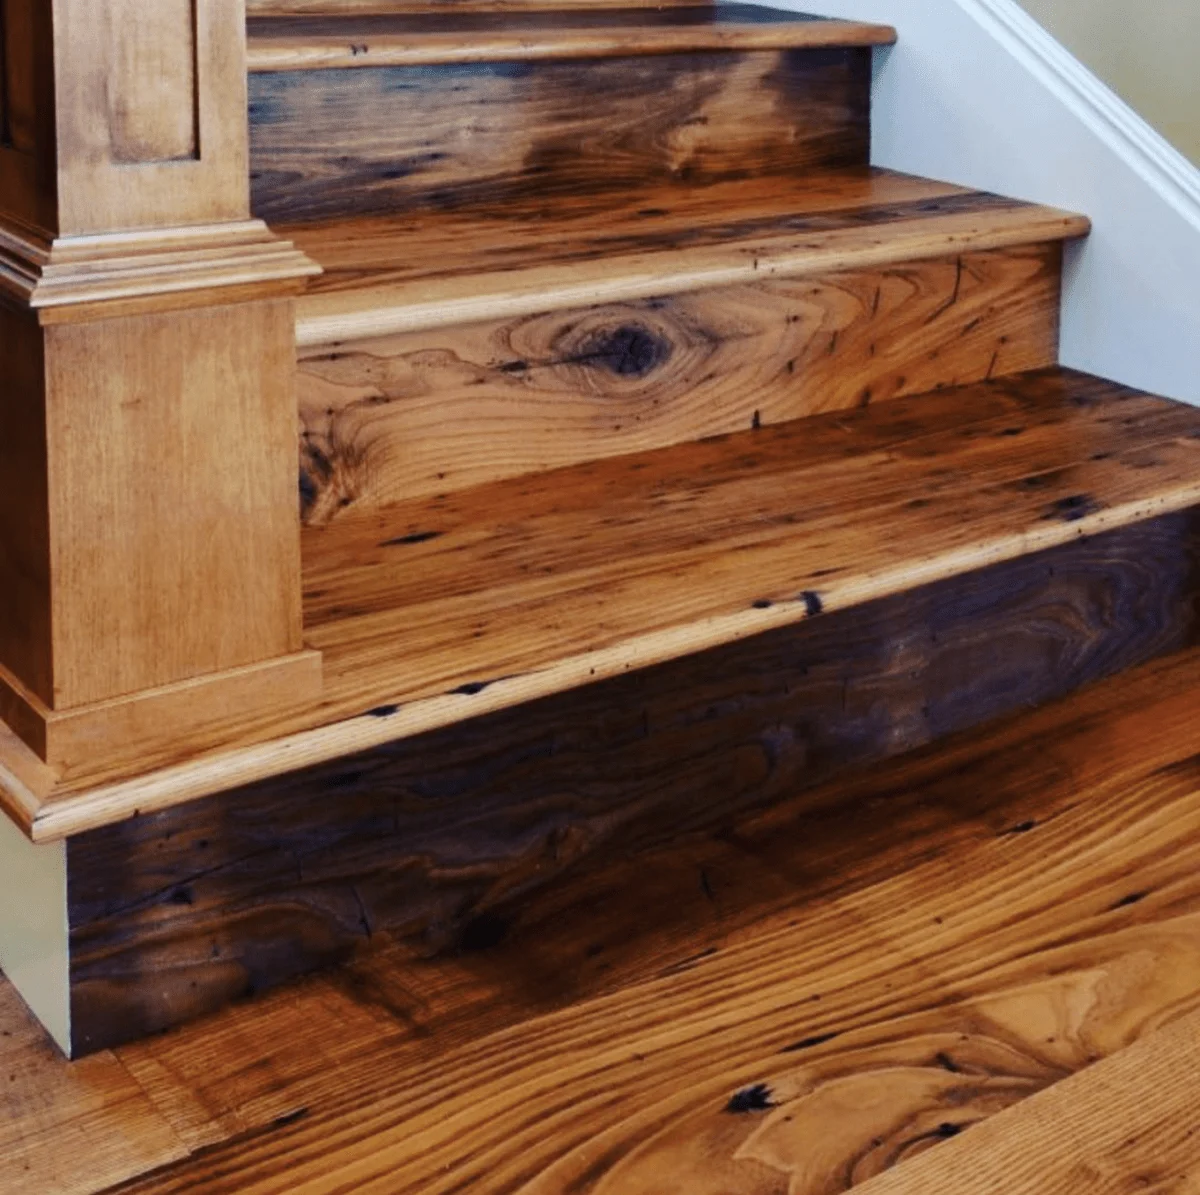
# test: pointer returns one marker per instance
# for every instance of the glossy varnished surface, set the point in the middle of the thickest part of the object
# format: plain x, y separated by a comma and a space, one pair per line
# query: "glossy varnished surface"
334, 143
402, 274
811, 999
437, 610
429, 412
422, 837
411, 39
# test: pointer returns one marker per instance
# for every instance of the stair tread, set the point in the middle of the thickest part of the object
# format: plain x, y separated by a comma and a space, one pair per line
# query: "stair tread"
315, 42
436, 610
424, 269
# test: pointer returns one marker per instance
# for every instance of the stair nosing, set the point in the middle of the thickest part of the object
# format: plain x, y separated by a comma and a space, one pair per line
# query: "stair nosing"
370, 311
108, 803
302, 52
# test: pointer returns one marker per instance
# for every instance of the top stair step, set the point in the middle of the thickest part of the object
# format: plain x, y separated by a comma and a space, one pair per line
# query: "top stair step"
357, 39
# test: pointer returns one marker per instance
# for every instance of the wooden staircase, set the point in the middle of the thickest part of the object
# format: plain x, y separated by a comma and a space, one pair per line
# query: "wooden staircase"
657, 455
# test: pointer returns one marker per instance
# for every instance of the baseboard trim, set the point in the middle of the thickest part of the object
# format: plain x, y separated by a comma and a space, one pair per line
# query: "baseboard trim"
34, 928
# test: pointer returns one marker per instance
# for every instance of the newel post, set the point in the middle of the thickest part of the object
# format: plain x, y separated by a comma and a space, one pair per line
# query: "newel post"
149, 533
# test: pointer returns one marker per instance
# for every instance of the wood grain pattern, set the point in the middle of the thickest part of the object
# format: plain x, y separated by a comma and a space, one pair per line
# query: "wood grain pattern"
26, 645
955, 910
332, 143
430, 412
135, 546
154, 537
349, 41
433, 612
151, 536
259, 9
403, 274
426, 836
153, 86
136, 147
1121, 1127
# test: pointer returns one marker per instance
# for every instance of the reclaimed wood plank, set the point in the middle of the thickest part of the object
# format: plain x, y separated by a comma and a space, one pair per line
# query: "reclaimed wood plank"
402, 274
330, 144
424, 413
1122, 1126
353, 41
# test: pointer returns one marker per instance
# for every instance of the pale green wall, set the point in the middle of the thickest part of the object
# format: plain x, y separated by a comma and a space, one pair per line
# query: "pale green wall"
1148, 51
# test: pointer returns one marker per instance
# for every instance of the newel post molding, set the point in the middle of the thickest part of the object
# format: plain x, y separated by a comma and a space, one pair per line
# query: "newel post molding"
149, 526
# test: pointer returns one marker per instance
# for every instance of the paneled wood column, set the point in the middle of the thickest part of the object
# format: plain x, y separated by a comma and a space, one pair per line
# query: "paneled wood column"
149, 528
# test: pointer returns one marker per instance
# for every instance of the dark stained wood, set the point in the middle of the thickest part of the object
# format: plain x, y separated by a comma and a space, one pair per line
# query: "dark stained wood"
423, 413
416, 39
1000, 912
332, 143
175, 914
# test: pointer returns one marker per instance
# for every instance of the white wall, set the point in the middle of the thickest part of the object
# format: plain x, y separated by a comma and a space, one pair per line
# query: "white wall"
977, 93
1147, 51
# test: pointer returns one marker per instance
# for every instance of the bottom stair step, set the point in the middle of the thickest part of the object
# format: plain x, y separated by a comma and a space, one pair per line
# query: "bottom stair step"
811, 598
969, 955
442, 609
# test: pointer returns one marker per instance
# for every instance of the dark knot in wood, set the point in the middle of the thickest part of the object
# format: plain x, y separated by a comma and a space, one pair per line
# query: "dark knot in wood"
630, 351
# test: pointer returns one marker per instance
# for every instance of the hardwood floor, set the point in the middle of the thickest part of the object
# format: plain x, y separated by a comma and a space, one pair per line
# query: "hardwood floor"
820, 995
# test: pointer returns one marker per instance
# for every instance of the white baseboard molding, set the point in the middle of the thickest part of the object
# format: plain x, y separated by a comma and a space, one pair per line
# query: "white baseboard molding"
34, 944
978, 93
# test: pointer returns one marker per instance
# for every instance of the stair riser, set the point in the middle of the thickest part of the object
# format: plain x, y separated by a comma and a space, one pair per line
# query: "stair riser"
428, 412
174, 914
335, 143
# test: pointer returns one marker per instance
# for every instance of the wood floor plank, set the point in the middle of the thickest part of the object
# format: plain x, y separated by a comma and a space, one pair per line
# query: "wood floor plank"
1125, 1125
384, 276
330, 143
356, 40
423, 837
424, 413
817, 997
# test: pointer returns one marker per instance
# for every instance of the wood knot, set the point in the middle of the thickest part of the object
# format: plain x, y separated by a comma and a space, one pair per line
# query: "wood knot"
629, 351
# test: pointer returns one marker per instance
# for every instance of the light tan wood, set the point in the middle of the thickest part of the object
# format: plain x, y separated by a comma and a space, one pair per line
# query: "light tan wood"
338, 8
408, 40
435, 611
200, 711
150, 114
118, 274
174, 545
1122, 1126
387, 276
425, 413
169, 550
925, 945
152, 539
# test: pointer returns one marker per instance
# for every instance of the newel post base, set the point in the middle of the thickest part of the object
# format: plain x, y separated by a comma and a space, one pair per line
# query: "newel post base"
149, 511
